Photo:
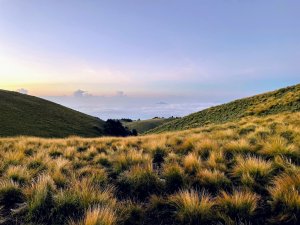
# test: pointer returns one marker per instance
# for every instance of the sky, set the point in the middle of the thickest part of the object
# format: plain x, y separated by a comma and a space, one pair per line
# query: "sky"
140, 59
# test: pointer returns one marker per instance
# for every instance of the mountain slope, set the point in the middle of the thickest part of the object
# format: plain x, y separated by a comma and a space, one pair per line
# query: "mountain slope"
31, 116
282, 100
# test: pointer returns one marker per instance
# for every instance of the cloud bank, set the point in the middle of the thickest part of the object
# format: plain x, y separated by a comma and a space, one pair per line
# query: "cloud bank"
23, 91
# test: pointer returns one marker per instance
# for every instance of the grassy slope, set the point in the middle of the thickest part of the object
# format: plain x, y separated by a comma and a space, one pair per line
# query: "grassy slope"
31, 116
143, 126
282, 100
246, 172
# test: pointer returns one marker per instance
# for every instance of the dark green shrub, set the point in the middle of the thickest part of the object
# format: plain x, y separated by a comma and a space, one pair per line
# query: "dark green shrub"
158, 156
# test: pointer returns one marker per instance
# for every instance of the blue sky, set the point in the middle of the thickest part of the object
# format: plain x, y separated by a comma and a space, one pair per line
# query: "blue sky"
180, 52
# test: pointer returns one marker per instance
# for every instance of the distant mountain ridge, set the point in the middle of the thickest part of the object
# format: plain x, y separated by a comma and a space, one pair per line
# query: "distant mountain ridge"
27, 115
282, 100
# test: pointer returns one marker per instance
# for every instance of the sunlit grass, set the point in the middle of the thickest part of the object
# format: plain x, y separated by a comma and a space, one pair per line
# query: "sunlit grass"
251, 170
240, 205
244, 172
97, 216
193, 207
285, 193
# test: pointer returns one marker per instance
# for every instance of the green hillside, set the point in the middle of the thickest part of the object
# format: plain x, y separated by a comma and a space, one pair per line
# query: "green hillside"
31, 116
282, 100
142, 126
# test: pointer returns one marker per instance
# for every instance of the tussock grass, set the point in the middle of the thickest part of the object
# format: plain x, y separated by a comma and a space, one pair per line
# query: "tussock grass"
246, 172
18, 174
98, 216
252, 170
279, 146
193, 207
11, 194
216, 160
92, 194
285, 193
238, 206
40, 199
239, 146
192, 163
212, 180
140, 182
174, 177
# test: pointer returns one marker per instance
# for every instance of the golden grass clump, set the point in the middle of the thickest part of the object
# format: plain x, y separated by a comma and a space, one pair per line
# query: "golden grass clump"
13, 157
40, 198
227, 134
18, 174
279, 146
252, 169
37, 164
240, 205
11, 194
213, 180
124, 160
174, 177
140, 181
285, 164
98, 215
205, 147
192, 163
285, 194
69, 153
92, 194
238, 146
216, 160
193, 207
97, 175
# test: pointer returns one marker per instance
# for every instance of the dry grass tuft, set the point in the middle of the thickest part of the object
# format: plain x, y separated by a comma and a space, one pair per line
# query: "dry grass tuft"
285, 194
193, 207
192, 163
98, 215
252, 169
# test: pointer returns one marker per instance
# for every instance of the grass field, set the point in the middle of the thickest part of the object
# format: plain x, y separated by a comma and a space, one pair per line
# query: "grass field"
247, 172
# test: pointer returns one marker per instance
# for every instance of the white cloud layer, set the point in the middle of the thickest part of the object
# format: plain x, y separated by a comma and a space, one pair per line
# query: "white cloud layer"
23, 91
122, 106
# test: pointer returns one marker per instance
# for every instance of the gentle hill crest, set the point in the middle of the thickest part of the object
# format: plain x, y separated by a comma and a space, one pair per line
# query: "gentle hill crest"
282, 100
142, 126
27, 115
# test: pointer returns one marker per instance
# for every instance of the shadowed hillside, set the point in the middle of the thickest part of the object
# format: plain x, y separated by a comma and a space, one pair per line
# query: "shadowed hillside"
31, 116
282, 100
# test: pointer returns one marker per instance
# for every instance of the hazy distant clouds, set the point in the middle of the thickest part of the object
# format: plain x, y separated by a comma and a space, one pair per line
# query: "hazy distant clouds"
80, 93
23, 91
122, 106
120, 93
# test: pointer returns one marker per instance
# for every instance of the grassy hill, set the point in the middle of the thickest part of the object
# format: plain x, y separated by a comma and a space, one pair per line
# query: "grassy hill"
31, 116
282, 100
142, 126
